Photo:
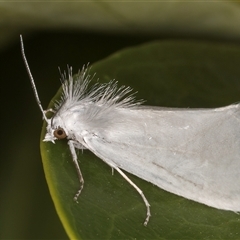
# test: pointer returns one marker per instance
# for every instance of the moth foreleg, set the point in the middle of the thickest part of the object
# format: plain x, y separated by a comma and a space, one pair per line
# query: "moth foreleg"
49, 110
79, 173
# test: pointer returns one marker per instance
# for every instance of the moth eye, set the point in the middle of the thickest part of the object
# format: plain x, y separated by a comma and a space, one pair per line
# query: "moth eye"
59, 133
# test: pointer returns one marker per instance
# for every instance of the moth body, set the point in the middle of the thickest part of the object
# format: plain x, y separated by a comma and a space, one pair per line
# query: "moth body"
194, 153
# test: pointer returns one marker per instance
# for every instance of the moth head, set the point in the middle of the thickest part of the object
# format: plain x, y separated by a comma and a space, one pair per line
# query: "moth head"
55, 130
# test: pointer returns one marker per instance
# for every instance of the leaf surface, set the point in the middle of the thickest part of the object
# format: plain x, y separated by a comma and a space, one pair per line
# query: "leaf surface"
165, 73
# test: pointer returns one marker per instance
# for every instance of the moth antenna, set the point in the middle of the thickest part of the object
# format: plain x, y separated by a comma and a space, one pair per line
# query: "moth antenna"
31, 79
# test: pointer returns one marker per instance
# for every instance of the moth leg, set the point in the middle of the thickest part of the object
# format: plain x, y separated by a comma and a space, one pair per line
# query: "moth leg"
139, 191
49, 110
79, 173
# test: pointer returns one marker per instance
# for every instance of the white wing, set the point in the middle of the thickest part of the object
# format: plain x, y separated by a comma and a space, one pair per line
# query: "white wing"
192, 153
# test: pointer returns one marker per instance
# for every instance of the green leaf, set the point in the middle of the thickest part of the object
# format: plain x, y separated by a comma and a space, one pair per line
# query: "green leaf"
165, 73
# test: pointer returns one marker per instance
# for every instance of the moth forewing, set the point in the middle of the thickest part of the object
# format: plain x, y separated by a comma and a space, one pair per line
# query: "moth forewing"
192, 153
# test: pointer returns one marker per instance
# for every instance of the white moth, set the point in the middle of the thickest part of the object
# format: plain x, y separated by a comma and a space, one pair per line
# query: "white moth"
194, 153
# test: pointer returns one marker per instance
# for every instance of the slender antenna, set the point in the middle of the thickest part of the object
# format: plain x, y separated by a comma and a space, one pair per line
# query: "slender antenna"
31, 79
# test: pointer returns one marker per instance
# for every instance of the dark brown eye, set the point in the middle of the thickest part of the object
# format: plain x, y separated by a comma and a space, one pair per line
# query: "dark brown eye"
59, 133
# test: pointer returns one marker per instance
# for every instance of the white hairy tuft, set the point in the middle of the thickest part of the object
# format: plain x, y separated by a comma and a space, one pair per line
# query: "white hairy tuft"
76, 91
